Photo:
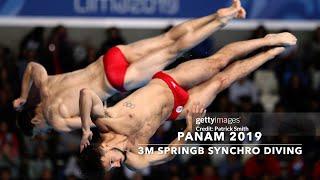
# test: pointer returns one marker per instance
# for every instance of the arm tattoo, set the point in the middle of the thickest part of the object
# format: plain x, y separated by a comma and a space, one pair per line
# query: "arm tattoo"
129, 105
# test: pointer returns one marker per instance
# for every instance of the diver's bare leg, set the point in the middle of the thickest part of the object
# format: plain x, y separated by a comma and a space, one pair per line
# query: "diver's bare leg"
207, 24
206, 92
194, 72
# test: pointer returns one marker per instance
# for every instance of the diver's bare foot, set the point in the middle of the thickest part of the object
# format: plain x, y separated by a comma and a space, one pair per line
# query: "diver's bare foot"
282, 39
234, 11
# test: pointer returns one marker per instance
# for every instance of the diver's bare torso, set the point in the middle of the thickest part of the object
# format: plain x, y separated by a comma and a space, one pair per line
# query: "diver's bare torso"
147, 109
61, 99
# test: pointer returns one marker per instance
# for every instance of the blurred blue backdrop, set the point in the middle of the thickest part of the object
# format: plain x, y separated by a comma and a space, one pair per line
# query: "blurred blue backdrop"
257, 9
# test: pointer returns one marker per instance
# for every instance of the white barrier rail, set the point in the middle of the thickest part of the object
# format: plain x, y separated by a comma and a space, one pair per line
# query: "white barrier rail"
154, 23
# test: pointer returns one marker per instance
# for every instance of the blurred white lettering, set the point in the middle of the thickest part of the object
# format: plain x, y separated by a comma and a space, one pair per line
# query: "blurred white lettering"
135, 7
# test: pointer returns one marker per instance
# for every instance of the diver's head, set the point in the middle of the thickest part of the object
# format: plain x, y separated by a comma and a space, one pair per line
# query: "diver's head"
95, 160
24, 123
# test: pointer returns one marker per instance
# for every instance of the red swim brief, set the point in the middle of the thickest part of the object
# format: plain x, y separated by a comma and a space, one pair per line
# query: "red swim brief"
180, 95
115, 67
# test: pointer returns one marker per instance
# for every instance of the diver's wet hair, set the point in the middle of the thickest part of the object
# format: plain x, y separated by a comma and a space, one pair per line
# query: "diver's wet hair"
23, 118
90, 160
23, 121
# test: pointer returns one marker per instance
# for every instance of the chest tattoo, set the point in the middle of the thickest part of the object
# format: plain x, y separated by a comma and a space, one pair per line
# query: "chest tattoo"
129, 105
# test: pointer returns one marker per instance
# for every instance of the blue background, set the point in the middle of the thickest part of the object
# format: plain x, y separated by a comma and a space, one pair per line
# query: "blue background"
257, 9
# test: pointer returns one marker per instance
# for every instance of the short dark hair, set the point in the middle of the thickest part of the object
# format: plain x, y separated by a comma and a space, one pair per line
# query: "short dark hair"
90, 162
23, 121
